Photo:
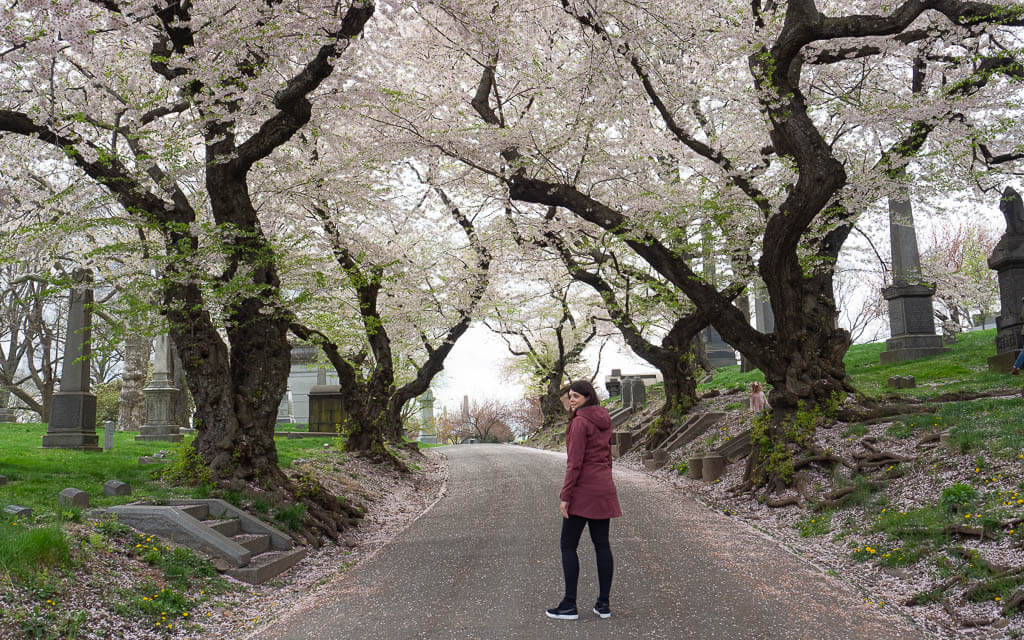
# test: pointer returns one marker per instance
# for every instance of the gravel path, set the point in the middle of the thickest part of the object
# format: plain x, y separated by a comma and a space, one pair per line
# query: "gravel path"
483, 563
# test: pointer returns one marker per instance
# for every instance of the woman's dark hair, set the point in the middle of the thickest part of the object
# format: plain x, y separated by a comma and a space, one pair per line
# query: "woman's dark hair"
584, 388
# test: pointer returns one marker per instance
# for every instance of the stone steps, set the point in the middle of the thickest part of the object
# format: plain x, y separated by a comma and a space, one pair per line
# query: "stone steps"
696, 426
239, 545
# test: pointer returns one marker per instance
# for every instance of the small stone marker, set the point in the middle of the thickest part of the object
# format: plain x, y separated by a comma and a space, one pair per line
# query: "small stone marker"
18, 511
148, 460
108, 435
116, 488
3, 480
72, 497
902, 382
712, 467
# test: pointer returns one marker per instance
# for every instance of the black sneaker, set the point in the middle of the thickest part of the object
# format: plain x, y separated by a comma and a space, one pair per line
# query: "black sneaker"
564, 611
602, 609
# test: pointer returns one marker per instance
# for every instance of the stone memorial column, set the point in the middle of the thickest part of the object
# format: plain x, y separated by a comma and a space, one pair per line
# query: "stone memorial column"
426, 402
73, 410
1007, 260
911, 315
161, 395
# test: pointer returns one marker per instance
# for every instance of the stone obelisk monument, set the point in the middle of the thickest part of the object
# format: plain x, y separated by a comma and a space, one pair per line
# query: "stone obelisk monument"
161, 395
911, 315
72, 422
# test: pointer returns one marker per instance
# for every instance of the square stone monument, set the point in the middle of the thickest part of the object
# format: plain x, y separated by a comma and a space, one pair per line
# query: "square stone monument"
1007, 260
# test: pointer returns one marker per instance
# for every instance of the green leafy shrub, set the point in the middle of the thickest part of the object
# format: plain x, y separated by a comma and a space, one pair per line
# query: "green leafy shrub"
682, 468
108, 400
187, 468
958, 498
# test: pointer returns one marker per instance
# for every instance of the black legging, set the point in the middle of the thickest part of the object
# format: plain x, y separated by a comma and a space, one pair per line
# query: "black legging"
572, 529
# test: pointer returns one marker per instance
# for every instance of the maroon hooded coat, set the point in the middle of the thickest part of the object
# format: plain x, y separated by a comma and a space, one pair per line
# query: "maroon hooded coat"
588, 487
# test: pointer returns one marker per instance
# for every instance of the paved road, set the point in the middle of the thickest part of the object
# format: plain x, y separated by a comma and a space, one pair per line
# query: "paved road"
484, 563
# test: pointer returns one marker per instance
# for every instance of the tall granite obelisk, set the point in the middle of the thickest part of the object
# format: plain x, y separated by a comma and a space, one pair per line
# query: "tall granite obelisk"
72, 422
911, 315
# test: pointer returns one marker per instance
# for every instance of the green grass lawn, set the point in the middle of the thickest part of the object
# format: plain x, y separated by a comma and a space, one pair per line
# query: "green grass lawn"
964, 368
36, 475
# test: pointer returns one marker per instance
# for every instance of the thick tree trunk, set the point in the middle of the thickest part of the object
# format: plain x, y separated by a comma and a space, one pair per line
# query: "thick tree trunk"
680, 396
551, 409
132, 404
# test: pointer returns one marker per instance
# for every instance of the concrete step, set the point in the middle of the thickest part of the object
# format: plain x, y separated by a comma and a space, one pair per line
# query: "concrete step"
224, 527
197, 511
692, 429
236, 542
257, 543
267, 566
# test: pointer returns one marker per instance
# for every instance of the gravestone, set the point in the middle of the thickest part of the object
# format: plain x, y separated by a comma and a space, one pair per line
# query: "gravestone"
284, 410
639, 392
3, 480
626, 391
73, 409
764, 317
116, 488
911, 315
108, 435
613, 383
720, 353
72, 497
426, 402
1007, 260
161, 397
18, 511
305, 373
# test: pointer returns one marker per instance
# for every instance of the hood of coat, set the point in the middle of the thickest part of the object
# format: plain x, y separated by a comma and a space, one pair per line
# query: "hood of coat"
597, 415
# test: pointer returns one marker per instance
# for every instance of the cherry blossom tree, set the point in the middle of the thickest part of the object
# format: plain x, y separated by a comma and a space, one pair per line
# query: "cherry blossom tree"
787, 119
955, 259
172, 107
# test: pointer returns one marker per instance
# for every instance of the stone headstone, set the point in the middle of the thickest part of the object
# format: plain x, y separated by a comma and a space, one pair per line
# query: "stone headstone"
3, 480
720, 353
284, 410
72, 497
304, 374
639, 393
1007, 259
911, 313
148, 460
18, 511
764, 317
116, 488
108, 435
902, 382
626, 392
161, 397
73, 409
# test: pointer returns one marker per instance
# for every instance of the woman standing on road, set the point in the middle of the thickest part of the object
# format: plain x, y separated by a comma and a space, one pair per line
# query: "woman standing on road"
588, 497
